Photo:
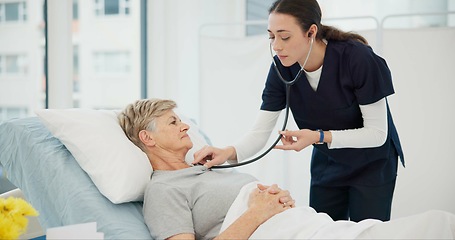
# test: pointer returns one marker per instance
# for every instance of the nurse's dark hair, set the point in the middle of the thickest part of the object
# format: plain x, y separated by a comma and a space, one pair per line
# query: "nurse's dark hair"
307, 13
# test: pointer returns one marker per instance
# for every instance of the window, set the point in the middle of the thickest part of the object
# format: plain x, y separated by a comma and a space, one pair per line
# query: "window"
13, 65
257, 10
106, 54
112, 7
13, 12
112, 62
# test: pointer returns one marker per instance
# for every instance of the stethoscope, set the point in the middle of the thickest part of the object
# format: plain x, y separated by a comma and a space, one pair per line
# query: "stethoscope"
288, 87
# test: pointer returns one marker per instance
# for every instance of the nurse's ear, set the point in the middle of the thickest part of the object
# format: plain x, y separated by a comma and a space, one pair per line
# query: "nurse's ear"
312, 31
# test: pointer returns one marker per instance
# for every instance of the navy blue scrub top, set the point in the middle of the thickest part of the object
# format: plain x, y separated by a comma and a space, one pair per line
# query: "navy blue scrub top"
352, 75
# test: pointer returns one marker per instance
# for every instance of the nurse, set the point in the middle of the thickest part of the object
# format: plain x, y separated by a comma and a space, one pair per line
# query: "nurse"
340, 106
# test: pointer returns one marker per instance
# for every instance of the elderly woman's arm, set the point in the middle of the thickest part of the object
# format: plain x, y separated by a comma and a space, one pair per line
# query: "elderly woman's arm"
264, 203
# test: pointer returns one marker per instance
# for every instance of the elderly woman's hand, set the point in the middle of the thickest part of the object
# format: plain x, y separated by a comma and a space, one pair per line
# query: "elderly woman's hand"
264, 204
286, 200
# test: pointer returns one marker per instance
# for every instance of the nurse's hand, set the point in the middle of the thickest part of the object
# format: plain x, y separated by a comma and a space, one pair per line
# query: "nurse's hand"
297, 140
210, 156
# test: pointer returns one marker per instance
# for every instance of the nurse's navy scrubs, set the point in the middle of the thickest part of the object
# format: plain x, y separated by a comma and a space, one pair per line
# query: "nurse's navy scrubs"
346, 183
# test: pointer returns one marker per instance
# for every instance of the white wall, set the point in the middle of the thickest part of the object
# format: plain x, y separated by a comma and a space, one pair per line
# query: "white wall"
173, 46
423, 109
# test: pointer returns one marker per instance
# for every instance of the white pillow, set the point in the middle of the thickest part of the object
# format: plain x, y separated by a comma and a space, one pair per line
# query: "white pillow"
118, 168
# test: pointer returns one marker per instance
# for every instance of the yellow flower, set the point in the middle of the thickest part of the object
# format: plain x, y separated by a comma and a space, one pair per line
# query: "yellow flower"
13, 217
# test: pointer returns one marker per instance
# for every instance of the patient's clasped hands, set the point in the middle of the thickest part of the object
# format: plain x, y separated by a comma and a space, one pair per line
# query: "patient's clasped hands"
266, 201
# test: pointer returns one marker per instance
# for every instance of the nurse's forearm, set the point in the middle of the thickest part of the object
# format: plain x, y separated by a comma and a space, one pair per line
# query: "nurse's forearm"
373, 134
257, 137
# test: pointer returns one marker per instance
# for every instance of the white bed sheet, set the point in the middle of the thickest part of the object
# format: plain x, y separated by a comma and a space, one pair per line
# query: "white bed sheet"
57, 187
304, 223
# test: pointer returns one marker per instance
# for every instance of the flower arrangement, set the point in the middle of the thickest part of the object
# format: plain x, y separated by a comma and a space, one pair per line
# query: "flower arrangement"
13, 217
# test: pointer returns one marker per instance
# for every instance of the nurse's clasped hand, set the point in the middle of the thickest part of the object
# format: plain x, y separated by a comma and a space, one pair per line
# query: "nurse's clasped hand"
300, 139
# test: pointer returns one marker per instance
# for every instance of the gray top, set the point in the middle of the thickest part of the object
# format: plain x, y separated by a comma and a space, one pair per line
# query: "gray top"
191, 200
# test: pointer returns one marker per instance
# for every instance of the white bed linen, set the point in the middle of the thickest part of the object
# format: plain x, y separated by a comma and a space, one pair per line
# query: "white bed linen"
304, 223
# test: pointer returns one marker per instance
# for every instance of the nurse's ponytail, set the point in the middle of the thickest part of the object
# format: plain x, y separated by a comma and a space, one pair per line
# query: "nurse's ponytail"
332, 33
307, 13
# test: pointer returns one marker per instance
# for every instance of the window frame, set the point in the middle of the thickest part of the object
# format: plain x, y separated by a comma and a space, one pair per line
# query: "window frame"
21, 12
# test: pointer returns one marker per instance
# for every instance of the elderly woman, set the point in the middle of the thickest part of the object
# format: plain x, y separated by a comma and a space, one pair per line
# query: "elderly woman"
188, 202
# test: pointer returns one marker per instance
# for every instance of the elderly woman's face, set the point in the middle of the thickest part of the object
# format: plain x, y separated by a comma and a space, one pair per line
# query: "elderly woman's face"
171, 133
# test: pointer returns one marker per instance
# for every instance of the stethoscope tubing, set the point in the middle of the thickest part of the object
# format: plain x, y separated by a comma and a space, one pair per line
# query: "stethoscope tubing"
286, 116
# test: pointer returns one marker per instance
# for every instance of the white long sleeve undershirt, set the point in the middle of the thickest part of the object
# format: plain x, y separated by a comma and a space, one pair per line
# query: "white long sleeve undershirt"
372, 134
